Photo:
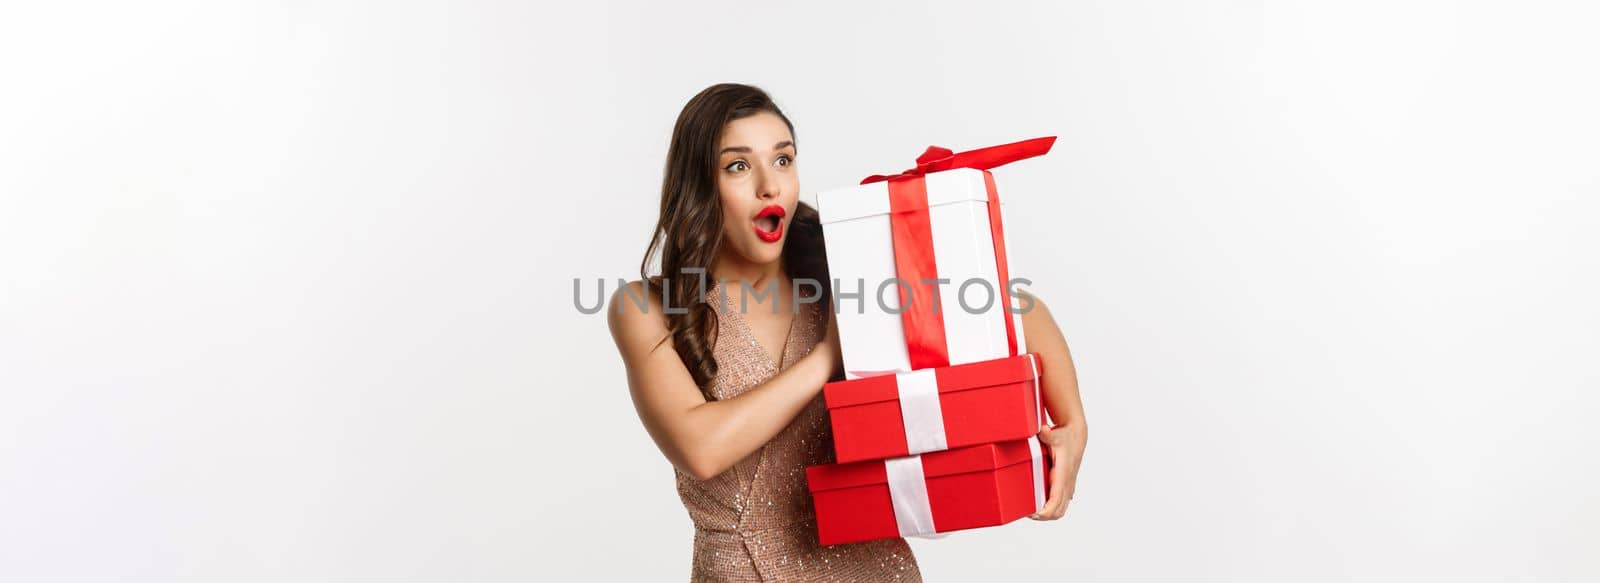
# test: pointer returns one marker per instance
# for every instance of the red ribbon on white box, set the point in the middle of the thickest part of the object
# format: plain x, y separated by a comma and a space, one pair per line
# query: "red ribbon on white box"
912, 233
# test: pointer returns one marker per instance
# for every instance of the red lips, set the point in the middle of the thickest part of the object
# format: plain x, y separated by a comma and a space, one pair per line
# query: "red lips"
769, 223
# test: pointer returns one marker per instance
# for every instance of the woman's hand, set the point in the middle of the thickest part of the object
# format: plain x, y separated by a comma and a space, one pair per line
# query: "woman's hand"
1059, 388
1065, 445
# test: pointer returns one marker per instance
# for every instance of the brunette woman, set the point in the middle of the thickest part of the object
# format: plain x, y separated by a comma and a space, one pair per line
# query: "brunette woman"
727, 375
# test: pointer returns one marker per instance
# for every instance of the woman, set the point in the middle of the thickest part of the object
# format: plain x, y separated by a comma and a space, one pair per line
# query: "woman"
730, 388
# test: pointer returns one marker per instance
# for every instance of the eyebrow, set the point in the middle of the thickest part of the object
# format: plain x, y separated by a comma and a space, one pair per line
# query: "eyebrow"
746, 149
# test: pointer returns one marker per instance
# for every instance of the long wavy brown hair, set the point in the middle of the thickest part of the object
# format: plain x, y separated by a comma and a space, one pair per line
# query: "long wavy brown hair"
688, 233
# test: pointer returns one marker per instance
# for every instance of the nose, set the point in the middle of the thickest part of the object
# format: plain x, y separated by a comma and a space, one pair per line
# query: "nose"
767, 185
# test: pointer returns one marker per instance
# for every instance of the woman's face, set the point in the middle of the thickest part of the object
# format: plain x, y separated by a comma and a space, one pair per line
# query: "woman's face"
758, 184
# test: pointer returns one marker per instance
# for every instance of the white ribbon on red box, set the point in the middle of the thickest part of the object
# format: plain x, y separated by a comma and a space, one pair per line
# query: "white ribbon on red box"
923, 417
920, 411
1032, 444
1038, 473
908, 491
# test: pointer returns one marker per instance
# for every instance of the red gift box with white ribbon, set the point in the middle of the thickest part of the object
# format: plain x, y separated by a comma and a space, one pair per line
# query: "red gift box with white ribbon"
970, 487
935, 409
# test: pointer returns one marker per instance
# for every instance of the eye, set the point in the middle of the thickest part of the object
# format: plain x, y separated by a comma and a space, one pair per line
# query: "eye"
785, 160
737, 166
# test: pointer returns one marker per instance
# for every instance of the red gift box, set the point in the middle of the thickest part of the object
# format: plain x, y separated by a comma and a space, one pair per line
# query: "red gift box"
971, 487
934, 409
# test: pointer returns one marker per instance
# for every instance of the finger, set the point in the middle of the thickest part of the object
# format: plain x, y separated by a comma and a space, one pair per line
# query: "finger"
1051, 501
1066, 503
1057, 511
1058, 490
1064, 506
1048, 515
1053, 498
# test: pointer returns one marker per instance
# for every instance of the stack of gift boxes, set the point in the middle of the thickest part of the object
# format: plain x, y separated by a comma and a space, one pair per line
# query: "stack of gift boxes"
934, 424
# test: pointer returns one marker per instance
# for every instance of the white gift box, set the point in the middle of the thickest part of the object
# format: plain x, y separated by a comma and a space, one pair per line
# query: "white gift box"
861, 259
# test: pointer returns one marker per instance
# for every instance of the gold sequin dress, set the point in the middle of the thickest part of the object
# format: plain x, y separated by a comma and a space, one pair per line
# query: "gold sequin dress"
755, 522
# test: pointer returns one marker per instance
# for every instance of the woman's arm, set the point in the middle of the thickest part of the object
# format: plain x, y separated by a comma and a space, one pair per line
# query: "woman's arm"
705, 438
1060, 391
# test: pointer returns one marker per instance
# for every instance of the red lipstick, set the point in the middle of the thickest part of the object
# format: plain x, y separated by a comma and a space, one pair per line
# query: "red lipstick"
769, 223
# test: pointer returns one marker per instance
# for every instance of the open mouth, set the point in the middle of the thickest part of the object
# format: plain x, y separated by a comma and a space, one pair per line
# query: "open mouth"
769, 223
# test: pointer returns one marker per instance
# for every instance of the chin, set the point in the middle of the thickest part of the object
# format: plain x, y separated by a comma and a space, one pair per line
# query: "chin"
769, 255
761, 252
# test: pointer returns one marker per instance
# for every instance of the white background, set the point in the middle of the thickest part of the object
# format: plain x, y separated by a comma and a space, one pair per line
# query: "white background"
286, 288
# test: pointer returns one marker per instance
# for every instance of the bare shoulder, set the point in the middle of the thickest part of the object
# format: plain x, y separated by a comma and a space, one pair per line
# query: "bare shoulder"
635, 316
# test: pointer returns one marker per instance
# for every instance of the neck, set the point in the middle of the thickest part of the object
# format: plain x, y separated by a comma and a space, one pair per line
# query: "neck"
737, 270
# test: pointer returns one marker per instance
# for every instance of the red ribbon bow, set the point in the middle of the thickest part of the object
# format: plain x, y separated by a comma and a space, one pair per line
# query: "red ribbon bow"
937, 159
